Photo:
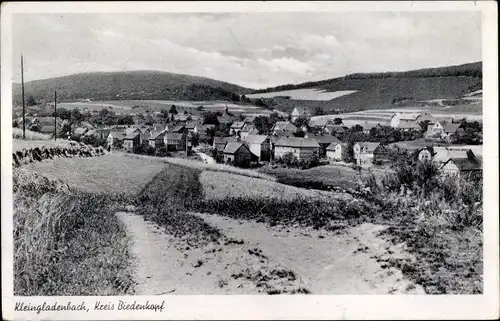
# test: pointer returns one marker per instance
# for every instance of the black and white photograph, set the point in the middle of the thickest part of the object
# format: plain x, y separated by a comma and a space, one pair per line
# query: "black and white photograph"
291, 153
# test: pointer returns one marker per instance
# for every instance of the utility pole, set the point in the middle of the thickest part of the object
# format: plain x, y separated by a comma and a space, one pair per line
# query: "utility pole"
55, 115
186, 146
22, 93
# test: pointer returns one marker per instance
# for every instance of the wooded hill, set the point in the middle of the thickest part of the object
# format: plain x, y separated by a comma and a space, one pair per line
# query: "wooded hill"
128, 85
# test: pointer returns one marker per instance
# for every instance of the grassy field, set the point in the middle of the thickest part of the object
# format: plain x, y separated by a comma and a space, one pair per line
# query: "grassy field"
18, 144
321, 177
110, 174
17, 133
66, 242
304, 94
220, 185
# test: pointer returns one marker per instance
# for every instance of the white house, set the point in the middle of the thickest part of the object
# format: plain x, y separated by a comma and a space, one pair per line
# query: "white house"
364, 152
260, 146
443, 129
298, 112
461, 167
336, 151
398, 117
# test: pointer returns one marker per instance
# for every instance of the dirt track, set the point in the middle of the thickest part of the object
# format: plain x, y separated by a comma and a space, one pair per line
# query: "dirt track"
269, 260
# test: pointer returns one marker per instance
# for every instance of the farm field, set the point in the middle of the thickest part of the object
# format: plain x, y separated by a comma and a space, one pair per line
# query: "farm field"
321, 177
109, 174
304, 94
140, 106
470, 112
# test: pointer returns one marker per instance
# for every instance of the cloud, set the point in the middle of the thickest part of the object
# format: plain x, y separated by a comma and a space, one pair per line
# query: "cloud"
251, 49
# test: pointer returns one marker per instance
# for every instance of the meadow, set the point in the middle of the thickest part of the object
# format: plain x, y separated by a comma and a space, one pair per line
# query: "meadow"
110, 174
142, 106
304, 94
321, 178
17, 133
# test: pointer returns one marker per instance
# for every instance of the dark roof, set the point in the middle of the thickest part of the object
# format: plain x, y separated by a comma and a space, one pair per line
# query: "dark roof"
302, 110
155, 134
325, 139
116, 134
284, 125
297, 142
131, 136
466, 164
190, 125
232, 147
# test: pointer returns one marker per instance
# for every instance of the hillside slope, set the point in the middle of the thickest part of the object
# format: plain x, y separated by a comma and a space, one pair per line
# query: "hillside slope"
384, 90
128, 85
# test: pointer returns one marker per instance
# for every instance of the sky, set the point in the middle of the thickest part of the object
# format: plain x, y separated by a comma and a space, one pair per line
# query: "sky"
254, 50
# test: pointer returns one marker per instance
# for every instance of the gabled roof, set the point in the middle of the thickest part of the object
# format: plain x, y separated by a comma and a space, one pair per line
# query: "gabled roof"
256, 139
297, 142
224, 120
334, 144
370, 147
253, 131
247, 128
408, 124
443, 154
325, 139
116, 134
131, 135
155, 134
465, 164
233, 147
284, 125
131, 130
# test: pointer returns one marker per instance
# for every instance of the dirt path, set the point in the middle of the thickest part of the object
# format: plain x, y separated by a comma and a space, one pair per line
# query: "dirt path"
252, 258
328, 263
207, 159
227, 267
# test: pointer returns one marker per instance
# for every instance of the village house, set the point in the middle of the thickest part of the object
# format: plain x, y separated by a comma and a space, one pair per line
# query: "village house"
336, 130
192, 127
425, 154
219, 143
408, 125
245, 131
237, 154
284, 126
174, 141
336, 151
443, 154
364, 152
113, 137
249, 119
156, 139
180, 129
299, 112
236, 127
324, 141
302, 148
396, 119
426, 118
442, 129
259, 145
160, 127
132, 140
465, 167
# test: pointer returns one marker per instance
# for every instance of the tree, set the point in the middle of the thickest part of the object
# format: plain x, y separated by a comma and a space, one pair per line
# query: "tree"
164, 114
210, 118
200, 108
195, 139
337, 121
63, 113
77, 116
173, 110
31, 101
262, 124
125, 120
301, 121
318, 111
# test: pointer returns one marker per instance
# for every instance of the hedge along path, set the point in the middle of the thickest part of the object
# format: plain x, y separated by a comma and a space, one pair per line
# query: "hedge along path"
38, 154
